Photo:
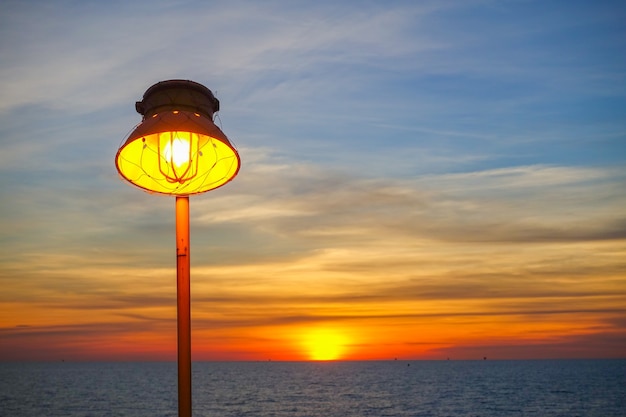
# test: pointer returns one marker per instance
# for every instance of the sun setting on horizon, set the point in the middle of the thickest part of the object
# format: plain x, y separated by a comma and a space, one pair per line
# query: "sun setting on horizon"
325, 344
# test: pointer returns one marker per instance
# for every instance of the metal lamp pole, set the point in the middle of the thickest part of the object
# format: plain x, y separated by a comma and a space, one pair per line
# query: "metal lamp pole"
183, 306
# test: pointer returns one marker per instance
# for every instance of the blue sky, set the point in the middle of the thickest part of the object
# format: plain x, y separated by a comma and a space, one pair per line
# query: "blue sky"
442, 152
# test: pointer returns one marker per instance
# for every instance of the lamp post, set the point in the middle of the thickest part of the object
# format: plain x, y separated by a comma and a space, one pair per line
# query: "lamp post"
178, 150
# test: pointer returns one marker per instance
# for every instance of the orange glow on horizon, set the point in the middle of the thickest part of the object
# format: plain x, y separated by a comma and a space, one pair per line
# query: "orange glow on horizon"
135, 320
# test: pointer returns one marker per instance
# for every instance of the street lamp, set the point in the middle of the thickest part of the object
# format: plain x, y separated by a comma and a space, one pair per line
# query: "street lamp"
178, 150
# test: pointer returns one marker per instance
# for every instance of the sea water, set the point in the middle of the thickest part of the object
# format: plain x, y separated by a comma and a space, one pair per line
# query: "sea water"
566, 388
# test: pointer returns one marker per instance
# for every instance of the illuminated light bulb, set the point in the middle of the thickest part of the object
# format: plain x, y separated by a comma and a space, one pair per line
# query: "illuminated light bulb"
177, 151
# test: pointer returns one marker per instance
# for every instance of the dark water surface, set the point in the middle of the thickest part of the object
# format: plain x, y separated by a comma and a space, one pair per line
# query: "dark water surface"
327, 389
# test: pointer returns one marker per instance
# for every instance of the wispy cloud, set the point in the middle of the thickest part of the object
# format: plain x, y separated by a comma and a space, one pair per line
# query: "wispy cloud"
534, 203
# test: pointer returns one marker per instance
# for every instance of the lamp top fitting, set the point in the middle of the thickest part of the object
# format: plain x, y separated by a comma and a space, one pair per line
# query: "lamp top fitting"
178, 95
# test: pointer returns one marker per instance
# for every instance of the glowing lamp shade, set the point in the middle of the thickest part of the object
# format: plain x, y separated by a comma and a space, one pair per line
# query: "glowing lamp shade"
177, 149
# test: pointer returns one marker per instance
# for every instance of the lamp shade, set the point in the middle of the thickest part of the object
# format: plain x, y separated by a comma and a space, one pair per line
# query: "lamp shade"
177, 149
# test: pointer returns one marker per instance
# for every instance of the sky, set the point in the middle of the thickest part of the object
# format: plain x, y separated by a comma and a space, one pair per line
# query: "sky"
420, 180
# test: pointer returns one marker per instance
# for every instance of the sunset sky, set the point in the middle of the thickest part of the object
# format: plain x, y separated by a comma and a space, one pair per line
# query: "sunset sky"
420, 180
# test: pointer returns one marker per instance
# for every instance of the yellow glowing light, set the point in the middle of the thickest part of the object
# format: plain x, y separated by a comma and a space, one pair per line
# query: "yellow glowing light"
325, 344
177, 151
179, 156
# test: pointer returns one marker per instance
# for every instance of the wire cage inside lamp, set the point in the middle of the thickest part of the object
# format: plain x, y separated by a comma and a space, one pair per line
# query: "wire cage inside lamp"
177, 149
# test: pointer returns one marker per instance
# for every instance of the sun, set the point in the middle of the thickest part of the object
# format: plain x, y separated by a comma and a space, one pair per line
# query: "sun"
325, 344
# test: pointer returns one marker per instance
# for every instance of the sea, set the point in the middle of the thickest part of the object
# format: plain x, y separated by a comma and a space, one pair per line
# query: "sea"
485, 388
